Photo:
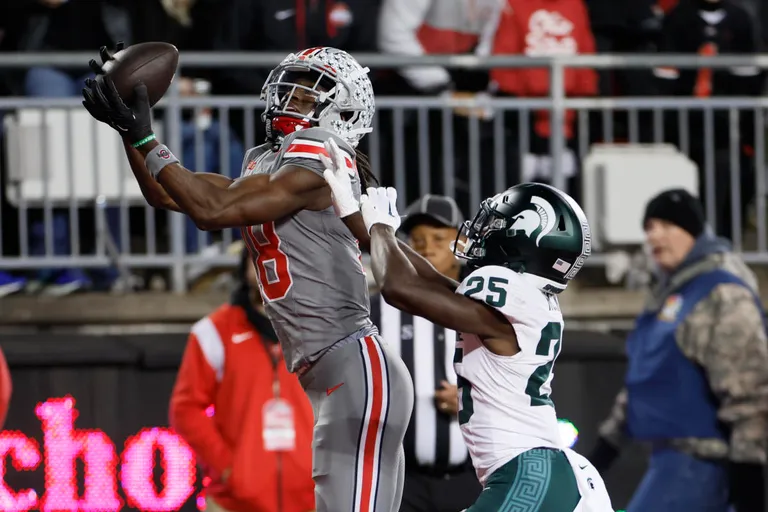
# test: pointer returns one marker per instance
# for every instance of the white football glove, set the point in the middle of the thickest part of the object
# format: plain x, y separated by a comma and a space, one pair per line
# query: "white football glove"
379, 206
337, 173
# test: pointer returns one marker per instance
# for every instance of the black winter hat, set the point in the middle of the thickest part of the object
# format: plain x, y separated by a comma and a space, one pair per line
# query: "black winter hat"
679, 207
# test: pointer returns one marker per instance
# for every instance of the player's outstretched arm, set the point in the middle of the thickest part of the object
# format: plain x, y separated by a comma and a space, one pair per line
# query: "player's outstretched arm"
213, 202
403, 287
152, 191
134, 124
247, 201
423, 267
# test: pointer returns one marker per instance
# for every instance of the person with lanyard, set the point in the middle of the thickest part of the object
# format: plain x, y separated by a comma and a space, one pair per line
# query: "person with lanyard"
438, 474
245, 416
696, 386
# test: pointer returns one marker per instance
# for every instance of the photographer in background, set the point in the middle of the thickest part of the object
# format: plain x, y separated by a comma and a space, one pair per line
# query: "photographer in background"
256, 442
696, 386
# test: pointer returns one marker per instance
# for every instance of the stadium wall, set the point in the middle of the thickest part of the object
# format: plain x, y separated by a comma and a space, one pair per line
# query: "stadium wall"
88, 423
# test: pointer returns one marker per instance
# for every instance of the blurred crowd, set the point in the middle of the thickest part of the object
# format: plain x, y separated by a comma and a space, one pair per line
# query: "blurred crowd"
400, 27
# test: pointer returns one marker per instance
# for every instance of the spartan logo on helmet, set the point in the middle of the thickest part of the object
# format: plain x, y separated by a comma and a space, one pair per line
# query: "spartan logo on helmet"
541, 216
531, 228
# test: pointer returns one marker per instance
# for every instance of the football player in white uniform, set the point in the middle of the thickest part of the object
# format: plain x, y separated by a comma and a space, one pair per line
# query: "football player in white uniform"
523, 247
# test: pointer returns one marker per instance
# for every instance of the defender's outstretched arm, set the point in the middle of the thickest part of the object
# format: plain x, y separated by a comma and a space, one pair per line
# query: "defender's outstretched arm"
404, 289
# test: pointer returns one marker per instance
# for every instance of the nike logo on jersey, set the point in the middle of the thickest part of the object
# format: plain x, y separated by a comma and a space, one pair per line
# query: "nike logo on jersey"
584, 466
239, 338
328, 391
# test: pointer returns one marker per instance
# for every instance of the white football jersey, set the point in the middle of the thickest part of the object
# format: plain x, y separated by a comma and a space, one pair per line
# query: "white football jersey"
504, 403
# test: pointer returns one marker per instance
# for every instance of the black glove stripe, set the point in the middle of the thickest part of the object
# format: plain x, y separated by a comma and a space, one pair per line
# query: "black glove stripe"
99, 97
113, 97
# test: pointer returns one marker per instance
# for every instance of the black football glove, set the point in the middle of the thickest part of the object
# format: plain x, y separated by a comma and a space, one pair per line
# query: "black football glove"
103, 102
97, 111
133, 123
105, 57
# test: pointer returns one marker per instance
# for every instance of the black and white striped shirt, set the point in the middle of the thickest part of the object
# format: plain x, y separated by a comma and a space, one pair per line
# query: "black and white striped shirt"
433, 438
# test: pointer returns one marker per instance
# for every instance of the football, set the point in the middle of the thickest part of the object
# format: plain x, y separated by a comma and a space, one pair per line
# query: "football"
153, 63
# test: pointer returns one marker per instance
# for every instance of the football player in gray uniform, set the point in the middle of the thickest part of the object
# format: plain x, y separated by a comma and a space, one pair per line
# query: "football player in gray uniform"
310, 272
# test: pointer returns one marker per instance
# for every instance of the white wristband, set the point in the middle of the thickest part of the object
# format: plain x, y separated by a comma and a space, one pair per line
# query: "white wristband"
158, 158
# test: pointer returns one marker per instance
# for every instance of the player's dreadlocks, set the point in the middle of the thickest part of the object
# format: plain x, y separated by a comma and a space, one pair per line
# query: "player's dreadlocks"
367, 178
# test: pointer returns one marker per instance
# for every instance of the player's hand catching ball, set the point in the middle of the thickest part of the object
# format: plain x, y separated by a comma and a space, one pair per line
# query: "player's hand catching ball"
101, 99
379, 206
97, 111
337, 173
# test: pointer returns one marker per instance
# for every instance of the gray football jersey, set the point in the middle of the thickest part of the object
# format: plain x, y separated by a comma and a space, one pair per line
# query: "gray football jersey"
309, 265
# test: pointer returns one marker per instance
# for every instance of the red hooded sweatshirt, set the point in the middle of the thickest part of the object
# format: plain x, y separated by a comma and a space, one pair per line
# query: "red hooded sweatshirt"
540, 28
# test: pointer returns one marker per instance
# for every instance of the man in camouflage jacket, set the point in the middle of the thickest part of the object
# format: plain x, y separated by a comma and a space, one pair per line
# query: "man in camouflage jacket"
697, 379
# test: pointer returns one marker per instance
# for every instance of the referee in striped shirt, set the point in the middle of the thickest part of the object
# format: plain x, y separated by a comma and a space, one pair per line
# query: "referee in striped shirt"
439, 476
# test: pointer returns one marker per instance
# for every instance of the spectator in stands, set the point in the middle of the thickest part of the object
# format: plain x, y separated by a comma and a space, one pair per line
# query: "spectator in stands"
540, 28
631, 26
439, 476
713, 27
192, 25
279, 26
696, 383
432, 27
247, 419
69, 25
6, 388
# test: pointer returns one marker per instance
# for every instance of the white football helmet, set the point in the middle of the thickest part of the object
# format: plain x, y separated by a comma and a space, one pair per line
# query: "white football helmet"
339, 87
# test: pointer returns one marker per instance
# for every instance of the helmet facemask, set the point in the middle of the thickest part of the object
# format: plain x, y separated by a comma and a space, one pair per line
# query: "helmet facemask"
301, 93
470, 240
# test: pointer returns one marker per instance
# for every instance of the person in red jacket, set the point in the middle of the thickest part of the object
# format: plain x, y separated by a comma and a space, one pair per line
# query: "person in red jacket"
539, 28
256, 444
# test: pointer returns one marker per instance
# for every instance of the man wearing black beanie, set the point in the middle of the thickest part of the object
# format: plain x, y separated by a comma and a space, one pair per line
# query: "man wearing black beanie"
696, 386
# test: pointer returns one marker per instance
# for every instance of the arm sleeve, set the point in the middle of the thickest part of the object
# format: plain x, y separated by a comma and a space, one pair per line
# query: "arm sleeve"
725, 334
193, 393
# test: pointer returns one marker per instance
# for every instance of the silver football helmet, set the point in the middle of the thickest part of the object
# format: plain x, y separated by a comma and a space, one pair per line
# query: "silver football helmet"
331, 85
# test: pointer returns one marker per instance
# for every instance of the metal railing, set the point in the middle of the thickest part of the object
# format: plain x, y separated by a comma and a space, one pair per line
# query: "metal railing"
419, 145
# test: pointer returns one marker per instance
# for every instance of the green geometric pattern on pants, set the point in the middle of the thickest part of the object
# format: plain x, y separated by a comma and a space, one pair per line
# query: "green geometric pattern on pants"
539, 480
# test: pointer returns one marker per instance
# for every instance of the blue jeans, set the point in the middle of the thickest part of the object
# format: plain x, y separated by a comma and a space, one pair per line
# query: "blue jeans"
54, 83
211, 163
675, 482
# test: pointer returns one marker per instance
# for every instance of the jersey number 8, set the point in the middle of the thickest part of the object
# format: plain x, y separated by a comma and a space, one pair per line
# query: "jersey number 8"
272, 265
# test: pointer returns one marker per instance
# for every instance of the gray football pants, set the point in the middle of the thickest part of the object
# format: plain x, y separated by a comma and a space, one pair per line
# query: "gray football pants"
362, 397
